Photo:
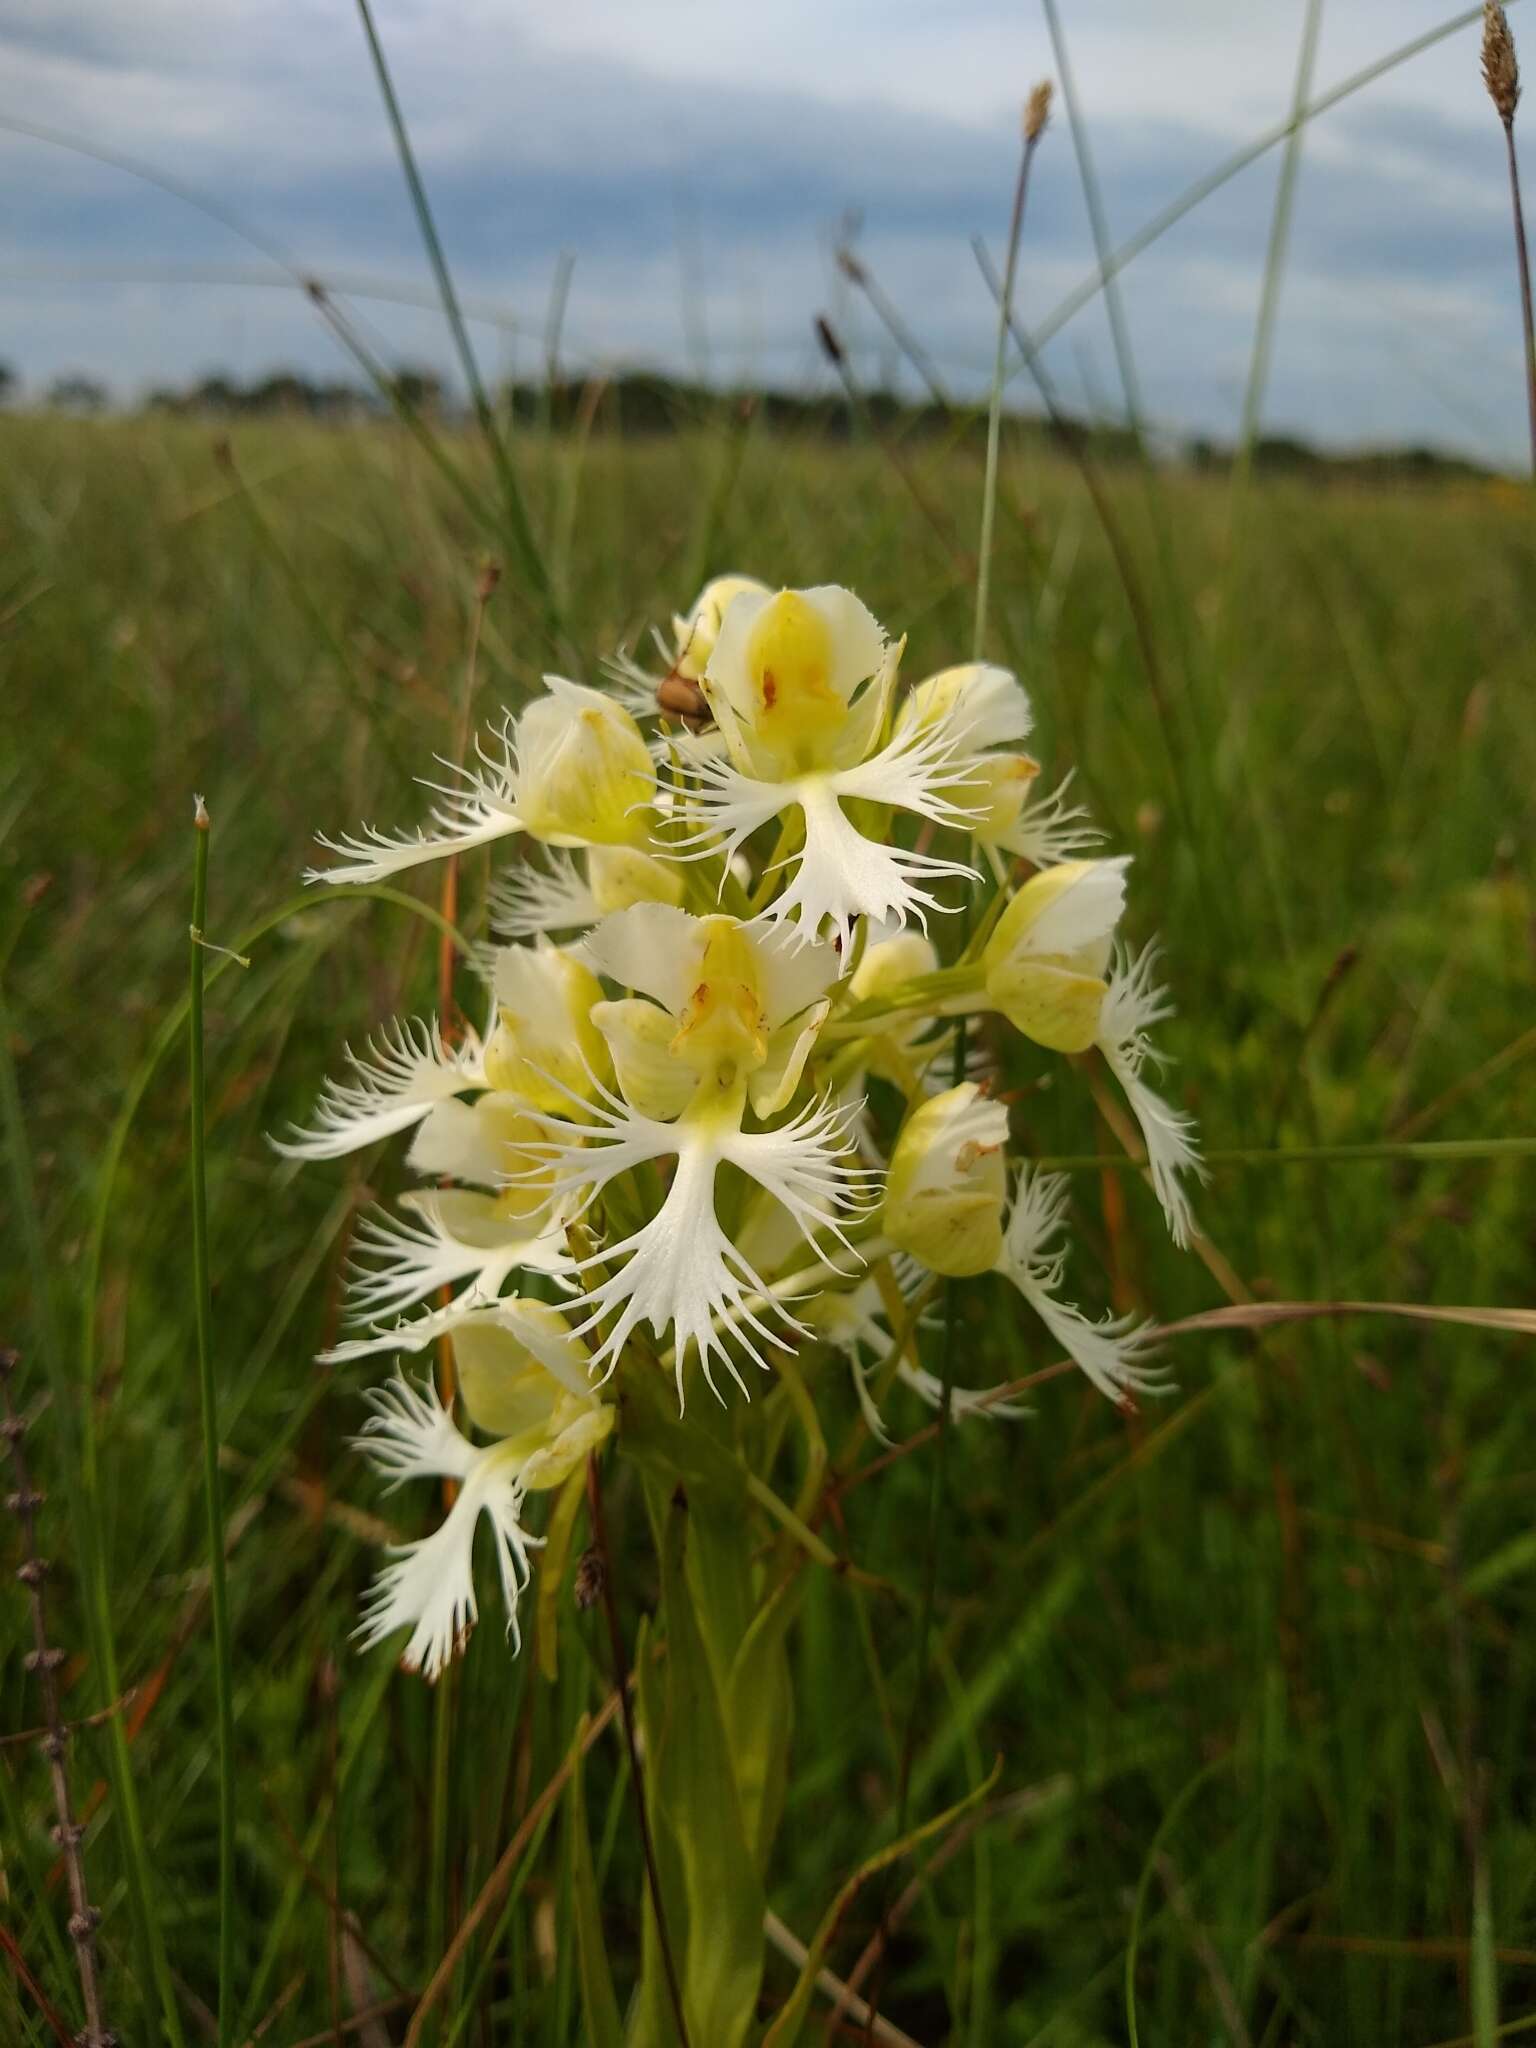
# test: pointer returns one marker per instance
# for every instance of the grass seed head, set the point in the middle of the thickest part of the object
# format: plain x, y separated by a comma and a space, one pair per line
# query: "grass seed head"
1501, 72
1037, 110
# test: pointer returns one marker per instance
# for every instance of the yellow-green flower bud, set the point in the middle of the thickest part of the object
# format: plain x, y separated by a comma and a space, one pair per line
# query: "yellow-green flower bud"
584, 772
1044, 964
621, 875
948, 1182
545, 1042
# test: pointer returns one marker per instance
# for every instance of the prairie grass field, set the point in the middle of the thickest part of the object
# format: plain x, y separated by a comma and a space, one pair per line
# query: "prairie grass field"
1257, 1665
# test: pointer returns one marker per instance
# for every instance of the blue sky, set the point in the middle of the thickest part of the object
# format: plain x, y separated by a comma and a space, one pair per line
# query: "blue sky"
697, 160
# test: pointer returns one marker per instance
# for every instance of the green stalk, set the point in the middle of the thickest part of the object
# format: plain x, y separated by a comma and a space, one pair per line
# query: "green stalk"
1032, 132
1426, 1152
1223, 173
437, 1885
208, 1403
517, 512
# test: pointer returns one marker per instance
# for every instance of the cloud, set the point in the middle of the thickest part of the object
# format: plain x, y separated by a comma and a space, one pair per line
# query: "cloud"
673, 163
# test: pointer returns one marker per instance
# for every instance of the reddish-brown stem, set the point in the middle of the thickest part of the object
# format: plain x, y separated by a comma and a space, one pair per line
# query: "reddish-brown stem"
45, 1661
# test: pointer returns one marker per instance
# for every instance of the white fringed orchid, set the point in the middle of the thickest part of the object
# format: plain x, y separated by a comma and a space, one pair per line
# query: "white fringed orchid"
724, 1025
948, 1181
800, 686
1133, 1004
543, 1431
720, 1004
404, 1073
734, 1133
681, 1269
1044, 964
1034, 1258
449, 1237
573, 770
986, 712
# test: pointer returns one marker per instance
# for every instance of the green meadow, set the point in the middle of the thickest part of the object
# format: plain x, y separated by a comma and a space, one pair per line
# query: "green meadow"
1256, 1667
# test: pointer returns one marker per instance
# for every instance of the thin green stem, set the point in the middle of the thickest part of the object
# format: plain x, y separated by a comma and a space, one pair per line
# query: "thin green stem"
1523, 268
1230, 167
995, 408
1093, 199
1428, 1152
208, 1401
1279, 239
442, 1748
517, 512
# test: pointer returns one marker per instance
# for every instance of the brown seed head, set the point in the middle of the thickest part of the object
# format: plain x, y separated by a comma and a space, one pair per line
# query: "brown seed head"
850, 265
1037, 111
826, 334
1501, 73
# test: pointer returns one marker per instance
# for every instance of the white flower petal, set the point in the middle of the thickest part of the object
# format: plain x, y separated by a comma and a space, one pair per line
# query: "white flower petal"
458, 1236
1107, 1351
1049, 830
1083, 914
977, 704
479, 806
793, 975
650, 947
802, 1166
639, 1037
532, 899
841, 876
429, 1586
401, 1074
681, 1269
1133, 1005
775, 1082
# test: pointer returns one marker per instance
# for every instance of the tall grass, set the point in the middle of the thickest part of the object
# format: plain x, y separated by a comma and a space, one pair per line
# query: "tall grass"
1257, 1572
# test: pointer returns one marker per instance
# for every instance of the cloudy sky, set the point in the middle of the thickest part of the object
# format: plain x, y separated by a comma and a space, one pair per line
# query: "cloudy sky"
698, 159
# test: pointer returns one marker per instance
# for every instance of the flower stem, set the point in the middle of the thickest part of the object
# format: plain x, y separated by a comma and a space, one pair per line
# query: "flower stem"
208, 1402
631, 1742
995, 408
1523, 260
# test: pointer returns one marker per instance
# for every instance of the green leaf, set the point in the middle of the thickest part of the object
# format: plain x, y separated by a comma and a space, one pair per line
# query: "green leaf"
696, 1786
759, 1711
1518, 1555
599, 2006
711, 1891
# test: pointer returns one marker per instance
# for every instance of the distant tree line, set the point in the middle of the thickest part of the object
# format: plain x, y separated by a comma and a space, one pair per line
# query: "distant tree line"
643, 404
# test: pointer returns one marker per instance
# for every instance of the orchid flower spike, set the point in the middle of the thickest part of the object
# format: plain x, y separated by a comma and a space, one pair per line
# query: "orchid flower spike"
681, 1136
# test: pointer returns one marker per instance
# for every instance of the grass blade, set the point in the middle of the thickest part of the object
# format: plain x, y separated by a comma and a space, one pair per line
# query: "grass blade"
517, 512
208, 1402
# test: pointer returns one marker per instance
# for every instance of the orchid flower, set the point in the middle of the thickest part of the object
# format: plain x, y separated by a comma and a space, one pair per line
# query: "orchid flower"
403, 1074
543, 1431
800, 686
724, 1024
573, 770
